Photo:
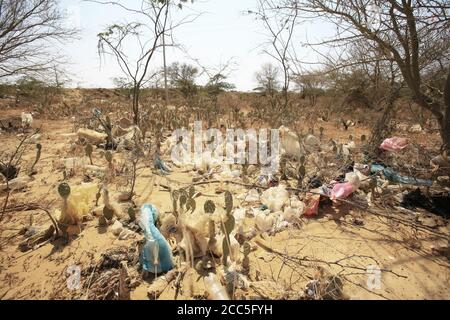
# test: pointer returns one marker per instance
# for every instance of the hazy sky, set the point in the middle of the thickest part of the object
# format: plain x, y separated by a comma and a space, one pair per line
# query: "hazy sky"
222, 32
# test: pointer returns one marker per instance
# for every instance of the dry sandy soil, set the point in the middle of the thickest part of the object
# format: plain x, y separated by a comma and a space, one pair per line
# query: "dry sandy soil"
281, 265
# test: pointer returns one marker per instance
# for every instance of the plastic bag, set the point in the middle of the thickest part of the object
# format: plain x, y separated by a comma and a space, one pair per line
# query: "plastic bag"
344, 190
264, 220
78, 203
393, 176
156, 255
92, 136
394, 144
275, 198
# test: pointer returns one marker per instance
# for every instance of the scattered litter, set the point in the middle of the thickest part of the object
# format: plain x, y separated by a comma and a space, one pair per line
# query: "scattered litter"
214, 288
275, 198
415, 128
312, 201
264, 220
27, 119
394, 144
252, 196
393, 176
16, 184
344, 190
156, 255
92, 136
117, 228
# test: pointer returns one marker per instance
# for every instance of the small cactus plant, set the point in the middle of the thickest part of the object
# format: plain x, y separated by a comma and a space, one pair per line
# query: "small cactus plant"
246, 261
108, 213
89, 149
132, 213
38, 156
227, 227
109, 157
64, 190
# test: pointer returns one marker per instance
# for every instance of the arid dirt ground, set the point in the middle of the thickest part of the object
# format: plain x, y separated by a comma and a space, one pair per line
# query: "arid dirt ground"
342, 240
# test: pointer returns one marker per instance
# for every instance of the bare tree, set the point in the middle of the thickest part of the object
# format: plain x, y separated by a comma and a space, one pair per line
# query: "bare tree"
28, 28
153, 23
267, 79
280, 27
413, 34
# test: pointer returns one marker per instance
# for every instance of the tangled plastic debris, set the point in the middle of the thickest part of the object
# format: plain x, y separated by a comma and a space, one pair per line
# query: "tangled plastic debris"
393, 176
156, 255
275, 198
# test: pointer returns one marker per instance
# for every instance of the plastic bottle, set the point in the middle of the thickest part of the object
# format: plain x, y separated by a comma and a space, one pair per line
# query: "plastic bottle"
214, 288
156, 255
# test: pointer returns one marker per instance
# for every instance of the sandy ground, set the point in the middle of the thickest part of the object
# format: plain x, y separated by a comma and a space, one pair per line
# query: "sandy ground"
410, 269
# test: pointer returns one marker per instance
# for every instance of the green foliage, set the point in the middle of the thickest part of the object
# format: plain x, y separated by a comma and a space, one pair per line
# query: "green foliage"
182, 77
217, 85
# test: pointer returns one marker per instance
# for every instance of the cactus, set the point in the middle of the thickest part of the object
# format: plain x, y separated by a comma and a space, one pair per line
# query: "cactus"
89, 149
64, 190
212, 234
209, 207
183, 200
301, 175
191, 192
102, 221
363, 138
108, 213
246, 261
109, 157
38, 156
191, 205
97, 196
227, 227
302, 160
132, 213
228, 202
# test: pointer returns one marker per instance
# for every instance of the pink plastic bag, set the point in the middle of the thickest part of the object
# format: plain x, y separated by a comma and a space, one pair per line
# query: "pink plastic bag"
342, 190
394, 144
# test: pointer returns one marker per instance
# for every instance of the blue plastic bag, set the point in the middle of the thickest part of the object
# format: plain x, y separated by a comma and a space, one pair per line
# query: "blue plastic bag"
393, 176
156, 255
159, 164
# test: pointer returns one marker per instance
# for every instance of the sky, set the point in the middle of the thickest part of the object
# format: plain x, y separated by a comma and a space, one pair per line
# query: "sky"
222, 32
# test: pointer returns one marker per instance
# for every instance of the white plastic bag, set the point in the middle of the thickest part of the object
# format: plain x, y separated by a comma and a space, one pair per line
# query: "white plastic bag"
275, 198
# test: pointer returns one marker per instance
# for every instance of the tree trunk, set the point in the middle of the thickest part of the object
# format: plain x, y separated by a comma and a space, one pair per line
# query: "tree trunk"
136, 104
445, 127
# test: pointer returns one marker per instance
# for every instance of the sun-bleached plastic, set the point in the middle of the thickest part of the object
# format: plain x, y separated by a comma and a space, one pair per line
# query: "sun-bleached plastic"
214, 288
156, 255
275, 198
